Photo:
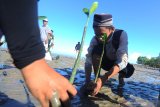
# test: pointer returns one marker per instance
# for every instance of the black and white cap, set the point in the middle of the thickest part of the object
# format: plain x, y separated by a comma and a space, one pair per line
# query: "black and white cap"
103, 20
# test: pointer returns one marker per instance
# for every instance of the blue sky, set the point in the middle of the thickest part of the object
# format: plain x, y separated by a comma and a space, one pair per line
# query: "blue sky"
139, 18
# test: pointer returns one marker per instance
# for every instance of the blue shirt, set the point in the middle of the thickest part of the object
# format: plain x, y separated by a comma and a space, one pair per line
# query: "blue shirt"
120, 55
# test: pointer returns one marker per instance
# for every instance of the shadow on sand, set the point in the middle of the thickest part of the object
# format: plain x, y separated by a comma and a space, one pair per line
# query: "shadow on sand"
5, 101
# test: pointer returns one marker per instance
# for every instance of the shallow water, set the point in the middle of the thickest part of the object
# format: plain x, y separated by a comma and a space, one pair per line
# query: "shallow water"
141, 90
134, 93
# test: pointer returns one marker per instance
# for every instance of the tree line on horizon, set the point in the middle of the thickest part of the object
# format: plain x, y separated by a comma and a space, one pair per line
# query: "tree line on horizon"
152, 62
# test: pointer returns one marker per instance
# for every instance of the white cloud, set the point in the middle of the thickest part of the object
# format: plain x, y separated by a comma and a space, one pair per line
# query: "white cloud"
85, 47
148, 56
133, 57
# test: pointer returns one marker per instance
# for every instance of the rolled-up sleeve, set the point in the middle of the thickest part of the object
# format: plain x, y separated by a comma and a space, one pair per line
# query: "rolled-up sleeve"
122, 52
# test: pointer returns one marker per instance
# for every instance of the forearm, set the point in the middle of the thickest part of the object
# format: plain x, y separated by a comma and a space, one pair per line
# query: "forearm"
38, 67
122, 61
43, 80
34, 65
33, 69
122, 52
113, 71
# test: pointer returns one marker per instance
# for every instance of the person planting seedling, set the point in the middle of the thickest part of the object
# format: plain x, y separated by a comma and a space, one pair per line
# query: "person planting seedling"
112, 56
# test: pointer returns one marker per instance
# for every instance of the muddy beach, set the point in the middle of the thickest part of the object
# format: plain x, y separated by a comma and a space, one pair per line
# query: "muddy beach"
141, 90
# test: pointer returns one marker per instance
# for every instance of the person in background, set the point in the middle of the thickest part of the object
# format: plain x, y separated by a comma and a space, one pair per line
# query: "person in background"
114, 60
46, 33
77, 47
19, 24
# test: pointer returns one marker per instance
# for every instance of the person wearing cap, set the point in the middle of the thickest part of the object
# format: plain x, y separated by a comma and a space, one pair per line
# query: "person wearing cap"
45, 32
114, 60
19, 24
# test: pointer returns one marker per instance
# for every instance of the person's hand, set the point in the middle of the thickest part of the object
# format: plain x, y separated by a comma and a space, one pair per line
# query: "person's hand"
98, 87
99, 83
93, 88
90, 86
43, 80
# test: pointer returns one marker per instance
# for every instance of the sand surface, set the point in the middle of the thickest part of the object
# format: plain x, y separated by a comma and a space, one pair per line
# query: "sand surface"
141, 90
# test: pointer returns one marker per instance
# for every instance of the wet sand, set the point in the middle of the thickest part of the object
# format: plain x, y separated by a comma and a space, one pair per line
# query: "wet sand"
141, 90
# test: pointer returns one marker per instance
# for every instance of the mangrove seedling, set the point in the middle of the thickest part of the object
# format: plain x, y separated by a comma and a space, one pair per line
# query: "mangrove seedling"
104, 38
76, 64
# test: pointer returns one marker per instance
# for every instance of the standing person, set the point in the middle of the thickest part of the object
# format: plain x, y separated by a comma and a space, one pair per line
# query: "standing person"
46, 34
115, 58
19, 23
77, 47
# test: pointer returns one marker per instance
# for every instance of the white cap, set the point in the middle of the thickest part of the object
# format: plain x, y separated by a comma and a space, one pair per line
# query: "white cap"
45, 19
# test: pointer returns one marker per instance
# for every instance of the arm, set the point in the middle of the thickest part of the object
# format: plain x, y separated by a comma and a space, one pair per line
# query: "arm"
121, 55
43, 80
121, 62
100, 81
122, 52
27, 50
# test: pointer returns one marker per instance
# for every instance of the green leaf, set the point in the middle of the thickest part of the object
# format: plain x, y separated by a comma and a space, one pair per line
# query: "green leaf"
41, 17
86, 11
93, 7
104, 36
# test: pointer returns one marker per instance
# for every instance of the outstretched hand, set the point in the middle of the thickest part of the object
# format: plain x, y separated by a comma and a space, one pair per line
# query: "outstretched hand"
93, 88
42, 81
98, 87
